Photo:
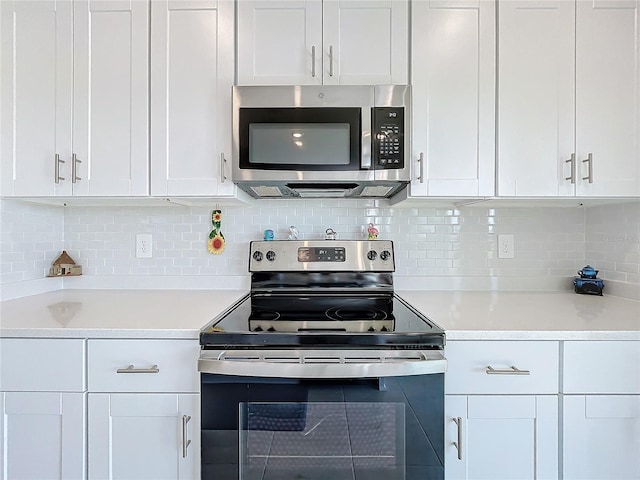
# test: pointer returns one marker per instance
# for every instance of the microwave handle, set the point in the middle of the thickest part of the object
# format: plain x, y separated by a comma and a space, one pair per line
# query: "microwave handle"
367, 141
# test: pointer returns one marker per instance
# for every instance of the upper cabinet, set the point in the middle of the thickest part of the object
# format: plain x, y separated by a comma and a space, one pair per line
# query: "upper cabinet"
75, 98
453, 88
331, 42
191, 79
569, 100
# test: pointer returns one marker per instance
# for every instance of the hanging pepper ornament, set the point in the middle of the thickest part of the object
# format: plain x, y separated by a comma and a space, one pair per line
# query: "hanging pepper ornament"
216, 241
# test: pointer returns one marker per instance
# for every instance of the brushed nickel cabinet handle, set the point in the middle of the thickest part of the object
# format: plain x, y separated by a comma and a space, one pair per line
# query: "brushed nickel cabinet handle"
74, 168
458, 444
132, 369
589, 162
313, 61
185, 442
331, 60
223, 163
572, 175
506, 371
421, 163
57, 162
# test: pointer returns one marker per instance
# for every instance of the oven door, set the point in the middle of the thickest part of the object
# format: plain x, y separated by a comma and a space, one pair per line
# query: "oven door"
320, 421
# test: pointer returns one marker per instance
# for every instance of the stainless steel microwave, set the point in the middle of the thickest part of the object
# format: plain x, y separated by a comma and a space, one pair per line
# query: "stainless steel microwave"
321, 141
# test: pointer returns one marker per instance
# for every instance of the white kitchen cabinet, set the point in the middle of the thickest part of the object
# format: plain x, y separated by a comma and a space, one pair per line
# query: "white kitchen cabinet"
143, 409
192, 69
601, 410
144, 436
501, 437
75, 98
42, 409
314, 42
453, 89
36, 97
43, 435
568, 100
501, 410
601, 437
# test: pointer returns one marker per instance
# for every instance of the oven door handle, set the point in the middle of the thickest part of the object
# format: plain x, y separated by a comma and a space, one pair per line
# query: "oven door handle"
321, 364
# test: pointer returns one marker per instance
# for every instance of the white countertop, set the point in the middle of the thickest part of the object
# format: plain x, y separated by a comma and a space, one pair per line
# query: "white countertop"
529, 316
114, 313
182, 313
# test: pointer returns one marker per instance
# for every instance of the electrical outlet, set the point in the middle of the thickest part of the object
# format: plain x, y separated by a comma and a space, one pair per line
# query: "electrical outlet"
505, 246
144, 247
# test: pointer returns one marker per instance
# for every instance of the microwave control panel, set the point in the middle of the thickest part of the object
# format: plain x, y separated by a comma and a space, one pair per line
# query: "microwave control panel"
388, 137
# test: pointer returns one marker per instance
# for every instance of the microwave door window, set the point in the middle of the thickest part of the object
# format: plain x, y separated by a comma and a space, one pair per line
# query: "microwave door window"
308, 144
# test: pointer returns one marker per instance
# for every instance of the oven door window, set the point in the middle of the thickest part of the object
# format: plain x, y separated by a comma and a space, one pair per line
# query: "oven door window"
322, 440
278, 428
300, 138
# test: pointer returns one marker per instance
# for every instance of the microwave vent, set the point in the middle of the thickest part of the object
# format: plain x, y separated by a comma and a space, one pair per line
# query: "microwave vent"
267, 191
376, 191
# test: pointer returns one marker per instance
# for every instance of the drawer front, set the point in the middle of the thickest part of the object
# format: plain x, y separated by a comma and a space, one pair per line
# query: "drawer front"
485, 367
601, 367
143, 366
42, 365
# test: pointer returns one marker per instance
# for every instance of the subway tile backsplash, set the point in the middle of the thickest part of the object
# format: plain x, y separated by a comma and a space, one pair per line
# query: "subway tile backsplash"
429, 241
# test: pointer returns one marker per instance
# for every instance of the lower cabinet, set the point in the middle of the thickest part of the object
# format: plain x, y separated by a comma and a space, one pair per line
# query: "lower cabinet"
601, 437
143, 409
42, 435
601, 410
501, 437
501, 410
144, 436
42, 407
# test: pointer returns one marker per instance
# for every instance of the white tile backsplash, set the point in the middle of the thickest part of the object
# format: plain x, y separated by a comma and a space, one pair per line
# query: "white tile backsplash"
31, 237
430, 242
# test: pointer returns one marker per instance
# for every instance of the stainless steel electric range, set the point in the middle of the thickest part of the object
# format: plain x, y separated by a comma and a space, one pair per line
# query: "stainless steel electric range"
322, 371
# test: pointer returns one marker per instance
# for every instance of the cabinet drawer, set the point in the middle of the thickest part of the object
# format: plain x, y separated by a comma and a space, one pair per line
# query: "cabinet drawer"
470, 363
143, 366
601, 367
42, 365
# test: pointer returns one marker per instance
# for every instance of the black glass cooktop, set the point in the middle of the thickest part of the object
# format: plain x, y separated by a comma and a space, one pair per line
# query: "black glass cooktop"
319, 320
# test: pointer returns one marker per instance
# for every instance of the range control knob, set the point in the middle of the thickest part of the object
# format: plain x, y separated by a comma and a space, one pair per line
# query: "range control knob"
257, 256
271, 255
385, 255
372, 255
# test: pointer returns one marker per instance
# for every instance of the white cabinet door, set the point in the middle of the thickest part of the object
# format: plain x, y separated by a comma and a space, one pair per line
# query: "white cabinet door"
365, 42
501, 437
608, 97
453, 78
42, 435
75, 88
536, 97
313, 42
111, 98
569, 100
280, 42
144, 436
191, 81
601, 437
36, 90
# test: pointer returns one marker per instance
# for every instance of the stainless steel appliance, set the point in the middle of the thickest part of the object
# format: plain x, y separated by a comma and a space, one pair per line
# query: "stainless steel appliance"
322, 371
321, 141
